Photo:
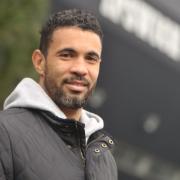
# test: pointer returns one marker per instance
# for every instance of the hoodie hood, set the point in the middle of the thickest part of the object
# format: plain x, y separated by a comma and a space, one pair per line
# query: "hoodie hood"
29, 94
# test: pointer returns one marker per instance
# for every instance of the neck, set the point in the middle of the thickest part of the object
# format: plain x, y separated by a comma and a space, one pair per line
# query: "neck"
72, 113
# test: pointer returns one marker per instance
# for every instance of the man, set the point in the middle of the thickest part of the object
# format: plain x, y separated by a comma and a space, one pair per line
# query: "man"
45, 134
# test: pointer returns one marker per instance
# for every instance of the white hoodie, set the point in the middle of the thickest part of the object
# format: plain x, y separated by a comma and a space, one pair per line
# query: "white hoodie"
29, 94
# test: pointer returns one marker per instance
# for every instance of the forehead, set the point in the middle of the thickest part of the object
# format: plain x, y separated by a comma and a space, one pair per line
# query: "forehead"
75, 37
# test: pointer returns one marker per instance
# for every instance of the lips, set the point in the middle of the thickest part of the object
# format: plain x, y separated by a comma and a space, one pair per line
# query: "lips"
77, 86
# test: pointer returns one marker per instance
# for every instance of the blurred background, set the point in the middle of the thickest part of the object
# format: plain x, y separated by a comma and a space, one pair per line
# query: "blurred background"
138, 93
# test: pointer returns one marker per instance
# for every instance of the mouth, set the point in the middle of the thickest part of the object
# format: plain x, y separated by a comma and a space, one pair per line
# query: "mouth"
77, 86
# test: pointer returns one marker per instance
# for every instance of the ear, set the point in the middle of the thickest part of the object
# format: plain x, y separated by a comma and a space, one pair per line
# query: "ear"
38, 60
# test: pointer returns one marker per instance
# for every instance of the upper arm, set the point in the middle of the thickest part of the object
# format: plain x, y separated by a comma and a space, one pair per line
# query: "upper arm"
2, 174
6, 165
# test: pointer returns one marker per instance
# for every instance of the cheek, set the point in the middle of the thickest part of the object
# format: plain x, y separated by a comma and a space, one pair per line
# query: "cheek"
54, 70
95, 74
51, 75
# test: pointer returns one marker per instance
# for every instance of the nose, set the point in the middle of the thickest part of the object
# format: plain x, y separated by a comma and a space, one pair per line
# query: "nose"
79, 67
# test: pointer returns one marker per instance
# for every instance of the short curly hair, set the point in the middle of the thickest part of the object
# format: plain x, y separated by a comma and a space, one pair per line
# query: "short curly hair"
71, 17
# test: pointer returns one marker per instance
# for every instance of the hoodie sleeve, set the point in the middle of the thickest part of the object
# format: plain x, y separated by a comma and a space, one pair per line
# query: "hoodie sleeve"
6, 170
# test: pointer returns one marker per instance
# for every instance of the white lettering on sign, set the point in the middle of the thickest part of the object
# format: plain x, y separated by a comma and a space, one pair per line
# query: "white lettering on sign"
146, 22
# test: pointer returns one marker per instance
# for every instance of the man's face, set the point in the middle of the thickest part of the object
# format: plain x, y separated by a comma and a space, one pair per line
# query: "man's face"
72, 66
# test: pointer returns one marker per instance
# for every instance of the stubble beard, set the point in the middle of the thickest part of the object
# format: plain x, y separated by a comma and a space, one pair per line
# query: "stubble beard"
65, 99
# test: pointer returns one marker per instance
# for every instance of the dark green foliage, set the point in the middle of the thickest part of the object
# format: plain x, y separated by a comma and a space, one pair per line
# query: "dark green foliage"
20, 22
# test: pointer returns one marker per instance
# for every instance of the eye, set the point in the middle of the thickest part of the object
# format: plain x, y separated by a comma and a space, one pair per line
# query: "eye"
66, 55
92, 58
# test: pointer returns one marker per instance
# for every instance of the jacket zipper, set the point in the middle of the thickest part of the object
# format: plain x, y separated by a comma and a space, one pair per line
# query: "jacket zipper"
81, 153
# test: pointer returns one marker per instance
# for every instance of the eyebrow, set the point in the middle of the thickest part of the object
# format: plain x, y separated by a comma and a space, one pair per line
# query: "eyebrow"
90, 53
66, 49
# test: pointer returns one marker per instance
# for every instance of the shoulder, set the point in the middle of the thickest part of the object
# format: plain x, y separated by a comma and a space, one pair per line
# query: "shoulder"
11, 112
14, 114
17, 119
10, 115
100, 151
103, 137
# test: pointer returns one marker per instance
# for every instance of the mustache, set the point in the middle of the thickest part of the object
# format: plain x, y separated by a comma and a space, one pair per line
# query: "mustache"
82, 79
